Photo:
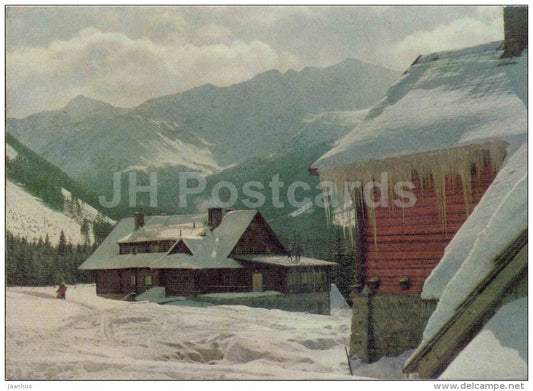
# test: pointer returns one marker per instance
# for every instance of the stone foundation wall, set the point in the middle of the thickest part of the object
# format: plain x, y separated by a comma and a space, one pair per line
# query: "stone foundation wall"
387, 324
313, 303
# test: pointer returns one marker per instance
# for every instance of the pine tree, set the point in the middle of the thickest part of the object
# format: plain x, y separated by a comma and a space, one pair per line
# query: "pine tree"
62, 245
11, 266
343, 256
84, 230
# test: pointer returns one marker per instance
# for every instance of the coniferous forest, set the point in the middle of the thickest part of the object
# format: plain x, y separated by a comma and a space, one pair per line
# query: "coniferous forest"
44, 263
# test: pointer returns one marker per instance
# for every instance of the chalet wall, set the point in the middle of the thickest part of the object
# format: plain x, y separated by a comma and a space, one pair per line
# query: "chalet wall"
108, 282
141, 285
313, 303
181, 282
191, 282
300, 279
409, 242
118, 282
259, 239
387, 324
178, 282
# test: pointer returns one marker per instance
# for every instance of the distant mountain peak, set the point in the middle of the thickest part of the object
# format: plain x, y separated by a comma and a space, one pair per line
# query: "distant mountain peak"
82, 107
84, 100
266, 74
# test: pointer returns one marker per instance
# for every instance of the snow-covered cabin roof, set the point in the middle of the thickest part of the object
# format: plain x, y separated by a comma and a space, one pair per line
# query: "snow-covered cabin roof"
210, 248
167, 228
499, 351
444, 100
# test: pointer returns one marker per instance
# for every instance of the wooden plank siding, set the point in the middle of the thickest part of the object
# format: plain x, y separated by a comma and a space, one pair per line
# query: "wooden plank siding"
277, 277
119, 281
258, 238
410, 242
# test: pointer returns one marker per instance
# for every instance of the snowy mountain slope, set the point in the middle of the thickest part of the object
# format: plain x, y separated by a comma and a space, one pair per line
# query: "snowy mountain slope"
79, 210
28, 217
84, 144
325, 127
11, 153
87, 337
163, 151
262, 114
32, 217
203, 129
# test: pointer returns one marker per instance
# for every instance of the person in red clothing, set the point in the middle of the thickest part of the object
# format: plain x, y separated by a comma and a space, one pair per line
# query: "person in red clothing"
61, 291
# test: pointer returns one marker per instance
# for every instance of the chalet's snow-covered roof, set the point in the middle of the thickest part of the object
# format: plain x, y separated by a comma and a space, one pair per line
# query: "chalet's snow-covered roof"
211, 249
444, 100
283, 260
167, 228
499, 351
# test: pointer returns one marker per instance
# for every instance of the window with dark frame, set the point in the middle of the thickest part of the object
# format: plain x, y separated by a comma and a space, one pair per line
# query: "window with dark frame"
227, 280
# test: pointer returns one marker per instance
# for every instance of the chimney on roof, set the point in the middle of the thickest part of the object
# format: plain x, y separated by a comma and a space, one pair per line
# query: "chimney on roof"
214, 217
515, 29
139, 220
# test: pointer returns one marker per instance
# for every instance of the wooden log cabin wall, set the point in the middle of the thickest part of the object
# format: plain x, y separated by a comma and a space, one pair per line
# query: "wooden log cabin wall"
406, 244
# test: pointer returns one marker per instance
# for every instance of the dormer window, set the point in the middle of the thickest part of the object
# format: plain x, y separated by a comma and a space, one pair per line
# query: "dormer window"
125, 249
154, 247
164, 246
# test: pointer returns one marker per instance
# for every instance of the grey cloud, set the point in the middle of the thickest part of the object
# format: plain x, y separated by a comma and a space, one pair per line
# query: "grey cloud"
126, 72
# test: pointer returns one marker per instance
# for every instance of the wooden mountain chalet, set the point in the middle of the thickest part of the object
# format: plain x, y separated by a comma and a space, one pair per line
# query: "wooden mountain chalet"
446, 127
226, 252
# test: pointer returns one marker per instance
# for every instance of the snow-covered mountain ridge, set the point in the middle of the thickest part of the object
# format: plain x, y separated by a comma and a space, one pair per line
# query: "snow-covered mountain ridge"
204, 129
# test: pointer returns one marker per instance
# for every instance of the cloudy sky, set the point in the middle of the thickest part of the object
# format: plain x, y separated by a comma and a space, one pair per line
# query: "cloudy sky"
126, 55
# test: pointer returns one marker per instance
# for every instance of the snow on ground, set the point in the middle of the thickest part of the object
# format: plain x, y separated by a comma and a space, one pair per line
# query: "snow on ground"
27, 216
499, 351
88, 337
389, 368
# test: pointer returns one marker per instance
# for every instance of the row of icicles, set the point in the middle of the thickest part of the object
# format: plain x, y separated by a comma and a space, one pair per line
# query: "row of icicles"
432, 169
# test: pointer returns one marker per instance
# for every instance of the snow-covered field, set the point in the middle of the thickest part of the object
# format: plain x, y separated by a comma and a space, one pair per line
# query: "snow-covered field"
88, 337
